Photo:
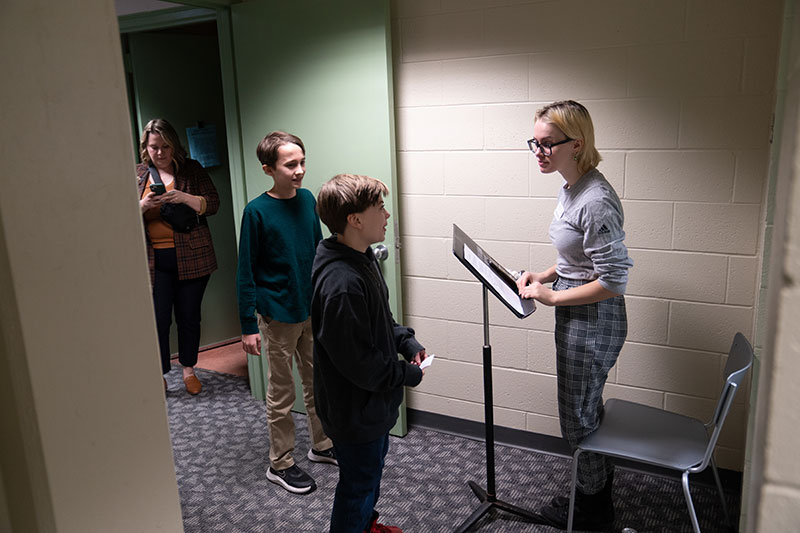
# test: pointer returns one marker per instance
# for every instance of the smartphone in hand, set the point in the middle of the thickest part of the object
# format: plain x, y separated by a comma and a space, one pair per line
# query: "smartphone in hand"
158, 188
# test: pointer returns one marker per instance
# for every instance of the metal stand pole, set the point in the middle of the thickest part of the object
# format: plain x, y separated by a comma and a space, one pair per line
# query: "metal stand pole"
488, 497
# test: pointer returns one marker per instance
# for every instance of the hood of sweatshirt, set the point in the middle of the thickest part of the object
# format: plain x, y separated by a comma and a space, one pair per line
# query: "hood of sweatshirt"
331, 250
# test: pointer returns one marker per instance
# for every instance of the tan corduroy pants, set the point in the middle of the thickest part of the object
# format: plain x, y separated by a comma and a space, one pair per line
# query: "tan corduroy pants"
285, 342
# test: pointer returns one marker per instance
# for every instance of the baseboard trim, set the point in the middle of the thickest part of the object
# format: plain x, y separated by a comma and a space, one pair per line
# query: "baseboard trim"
731, 479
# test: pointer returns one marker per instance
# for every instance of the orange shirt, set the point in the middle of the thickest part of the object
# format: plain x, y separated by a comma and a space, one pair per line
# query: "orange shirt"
160, 233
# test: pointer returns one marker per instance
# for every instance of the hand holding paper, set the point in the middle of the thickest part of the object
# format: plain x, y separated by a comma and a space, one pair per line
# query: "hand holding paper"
427, 361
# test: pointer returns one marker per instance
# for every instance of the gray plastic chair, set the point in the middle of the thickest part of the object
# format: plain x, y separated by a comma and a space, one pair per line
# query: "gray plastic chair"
653, 436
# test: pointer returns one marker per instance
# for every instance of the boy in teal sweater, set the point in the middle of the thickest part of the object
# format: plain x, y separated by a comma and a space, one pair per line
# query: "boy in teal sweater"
279, 234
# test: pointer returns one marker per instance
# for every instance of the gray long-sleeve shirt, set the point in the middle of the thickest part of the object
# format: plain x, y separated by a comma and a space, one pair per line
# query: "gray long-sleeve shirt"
587, 232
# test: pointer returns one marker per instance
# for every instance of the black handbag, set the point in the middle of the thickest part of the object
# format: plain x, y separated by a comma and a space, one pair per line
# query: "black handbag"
181, 217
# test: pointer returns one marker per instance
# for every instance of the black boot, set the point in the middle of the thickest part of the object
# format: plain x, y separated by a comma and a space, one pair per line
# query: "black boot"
593, 512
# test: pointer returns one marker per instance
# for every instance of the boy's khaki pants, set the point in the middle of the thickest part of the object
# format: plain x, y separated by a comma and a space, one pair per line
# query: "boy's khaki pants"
283, 342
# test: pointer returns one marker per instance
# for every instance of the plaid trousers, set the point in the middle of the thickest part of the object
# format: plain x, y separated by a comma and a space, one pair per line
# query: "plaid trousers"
588, 341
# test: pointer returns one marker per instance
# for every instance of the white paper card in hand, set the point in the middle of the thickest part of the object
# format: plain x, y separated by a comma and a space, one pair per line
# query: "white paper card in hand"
427, 361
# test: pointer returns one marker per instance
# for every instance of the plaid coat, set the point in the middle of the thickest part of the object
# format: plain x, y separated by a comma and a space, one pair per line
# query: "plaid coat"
194, 250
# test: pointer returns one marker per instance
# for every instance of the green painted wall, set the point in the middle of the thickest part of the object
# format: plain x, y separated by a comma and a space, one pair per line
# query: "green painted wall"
322, 71
177, 77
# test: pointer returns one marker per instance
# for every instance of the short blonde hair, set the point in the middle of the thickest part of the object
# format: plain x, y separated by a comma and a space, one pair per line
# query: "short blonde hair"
574, 120
345, 194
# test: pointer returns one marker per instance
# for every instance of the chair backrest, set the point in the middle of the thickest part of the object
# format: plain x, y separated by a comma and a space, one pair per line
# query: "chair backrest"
740, 359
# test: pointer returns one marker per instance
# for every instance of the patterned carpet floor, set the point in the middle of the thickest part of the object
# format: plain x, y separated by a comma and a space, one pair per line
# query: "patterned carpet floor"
220, 444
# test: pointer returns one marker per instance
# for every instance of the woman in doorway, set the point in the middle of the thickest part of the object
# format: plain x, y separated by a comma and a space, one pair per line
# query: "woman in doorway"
180, 262
588, 283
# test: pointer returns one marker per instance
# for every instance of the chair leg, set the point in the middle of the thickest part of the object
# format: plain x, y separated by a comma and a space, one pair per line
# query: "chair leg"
573, 487
721, 494
688, 496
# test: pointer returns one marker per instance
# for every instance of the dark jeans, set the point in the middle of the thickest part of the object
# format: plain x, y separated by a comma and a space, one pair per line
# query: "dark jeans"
185, 296
360, 470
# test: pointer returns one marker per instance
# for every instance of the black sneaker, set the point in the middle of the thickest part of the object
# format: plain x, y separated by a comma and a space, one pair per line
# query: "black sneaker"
292, 479
592, 513
323, 456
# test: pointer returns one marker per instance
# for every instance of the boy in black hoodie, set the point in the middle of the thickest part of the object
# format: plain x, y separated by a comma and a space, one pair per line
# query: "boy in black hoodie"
358, 378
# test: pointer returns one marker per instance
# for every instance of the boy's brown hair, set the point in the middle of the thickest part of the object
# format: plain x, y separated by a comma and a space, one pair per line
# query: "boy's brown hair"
267, 150
345, 194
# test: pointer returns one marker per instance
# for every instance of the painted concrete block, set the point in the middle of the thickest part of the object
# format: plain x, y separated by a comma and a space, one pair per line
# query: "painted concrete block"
486, 173
432, 333
612, 165
543, 256
648, 224
542, 352
723, 228
707, 327
647, 319
636, 123
465, 5
678, 275
509, 126
751, 176
742, 280
440, 128
526, 391
509, 347
465, 341
734, 18
413, 8
425, 257
693, 68
519, 219
581, 75
515, 29
452, 379
434, 216
418, 84
668, 369
702, 176
443, 36
657, 70
420, 172
431, 298
731, 459
760, 64
740, 122
485, 80
463, 409
543, 424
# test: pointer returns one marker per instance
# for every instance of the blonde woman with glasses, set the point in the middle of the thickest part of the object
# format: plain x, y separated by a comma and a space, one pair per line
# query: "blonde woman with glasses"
588, 283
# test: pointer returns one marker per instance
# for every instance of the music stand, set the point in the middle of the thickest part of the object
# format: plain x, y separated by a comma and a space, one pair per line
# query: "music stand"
497, 279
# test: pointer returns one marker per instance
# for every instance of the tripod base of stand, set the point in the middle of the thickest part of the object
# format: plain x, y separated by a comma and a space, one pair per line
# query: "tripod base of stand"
488, 501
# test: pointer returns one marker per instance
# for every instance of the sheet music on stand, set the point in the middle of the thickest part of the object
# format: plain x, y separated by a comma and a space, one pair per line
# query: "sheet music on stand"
491, 273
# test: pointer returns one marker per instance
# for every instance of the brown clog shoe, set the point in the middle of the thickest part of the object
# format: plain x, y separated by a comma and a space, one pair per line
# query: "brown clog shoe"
193, 385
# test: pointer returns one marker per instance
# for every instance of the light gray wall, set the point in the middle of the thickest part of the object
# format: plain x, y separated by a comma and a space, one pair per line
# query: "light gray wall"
681, 94
85, 443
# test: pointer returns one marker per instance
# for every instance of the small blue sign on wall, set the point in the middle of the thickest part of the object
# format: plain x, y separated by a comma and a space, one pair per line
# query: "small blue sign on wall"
203, 145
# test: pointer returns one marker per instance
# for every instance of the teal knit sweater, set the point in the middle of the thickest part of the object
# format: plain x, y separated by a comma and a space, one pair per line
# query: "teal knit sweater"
276, 250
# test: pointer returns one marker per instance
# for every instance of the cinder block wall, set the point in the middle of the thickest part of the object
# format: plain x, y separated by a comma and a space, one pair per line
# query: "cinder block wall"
681, 93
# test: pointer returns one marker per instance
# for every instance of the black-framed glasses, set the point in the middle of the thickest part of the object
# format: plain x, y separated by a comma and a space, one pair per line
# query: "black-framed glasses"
546, 148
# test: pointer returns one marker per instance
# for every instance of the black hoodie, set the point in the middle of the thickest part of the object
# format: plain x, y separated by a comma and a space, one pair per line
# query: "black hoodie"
358, 378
